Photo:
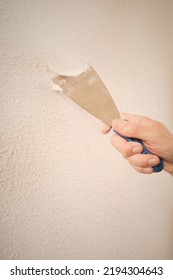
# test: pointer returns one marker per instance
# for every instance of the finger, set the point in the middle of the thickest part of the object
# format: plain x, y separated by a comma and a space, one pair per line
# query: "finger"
105, 128
143, 160
127, 149
144, 170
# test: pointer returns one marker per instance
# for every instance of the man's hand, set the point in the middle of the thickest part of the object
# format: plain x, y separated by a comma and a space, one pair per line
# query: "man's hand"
155, 136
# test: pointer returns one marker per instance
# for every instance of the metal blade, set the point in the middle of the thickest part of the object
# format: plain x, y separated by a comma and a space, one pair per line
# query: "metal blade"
88, 90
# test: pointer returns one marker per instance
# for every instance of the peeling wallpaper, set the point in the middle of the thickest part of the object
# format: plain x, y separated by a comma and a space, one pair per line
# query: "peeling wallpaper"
65, 193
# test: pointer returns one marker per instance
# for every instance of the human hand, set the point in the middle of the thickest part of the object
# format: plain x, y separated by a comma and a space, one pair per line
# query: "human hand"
155, 136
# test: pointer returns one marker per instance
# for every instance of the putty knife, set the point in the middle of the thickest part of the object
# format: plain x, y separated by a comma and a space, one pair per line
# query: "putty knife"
88, 90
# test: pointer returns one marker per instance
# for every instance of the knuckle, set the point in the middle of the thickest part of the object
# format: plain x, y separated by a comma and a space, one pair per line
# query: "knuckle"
135, 129
124, 156
112, 139
126, 152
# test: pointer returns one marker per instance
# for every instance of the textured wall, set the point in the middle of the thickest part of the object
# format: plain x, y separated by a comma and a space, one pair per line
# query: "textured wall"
65, 192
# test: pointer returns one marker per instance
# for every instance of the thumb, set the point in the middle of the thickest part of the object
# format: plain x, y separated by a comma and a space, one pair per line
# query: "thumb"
139, 128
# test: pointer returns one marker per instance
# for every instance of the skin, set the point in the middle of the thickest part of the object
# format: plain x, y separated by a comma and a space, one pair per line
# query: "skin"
155, 136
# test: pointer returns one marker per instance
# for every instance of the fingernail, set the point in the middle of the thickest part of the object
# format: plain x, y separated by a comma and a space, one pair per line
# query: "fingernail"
136, 149
152, 161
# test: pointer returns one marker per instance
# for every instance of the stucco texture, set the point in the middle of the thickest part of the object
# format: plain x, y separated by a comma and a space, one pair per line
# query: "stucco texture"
65, 192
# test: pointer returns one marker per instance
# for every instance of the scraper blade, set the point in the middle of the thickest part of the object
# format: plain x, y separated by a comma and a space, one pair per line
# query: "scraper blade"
88, 90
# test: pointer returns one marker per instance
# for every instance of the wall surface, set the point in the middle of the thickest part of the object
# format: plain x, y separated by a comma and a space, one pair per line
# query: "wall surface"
65, 192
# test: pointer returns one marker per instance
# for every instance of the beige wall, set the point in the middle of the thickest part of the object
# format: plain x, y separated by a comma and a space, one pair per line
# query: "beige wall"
65, 192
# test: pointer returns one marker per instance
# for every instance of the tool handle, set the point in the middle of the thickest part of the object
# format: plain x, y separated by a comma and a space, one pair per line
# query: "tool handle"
156, 168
